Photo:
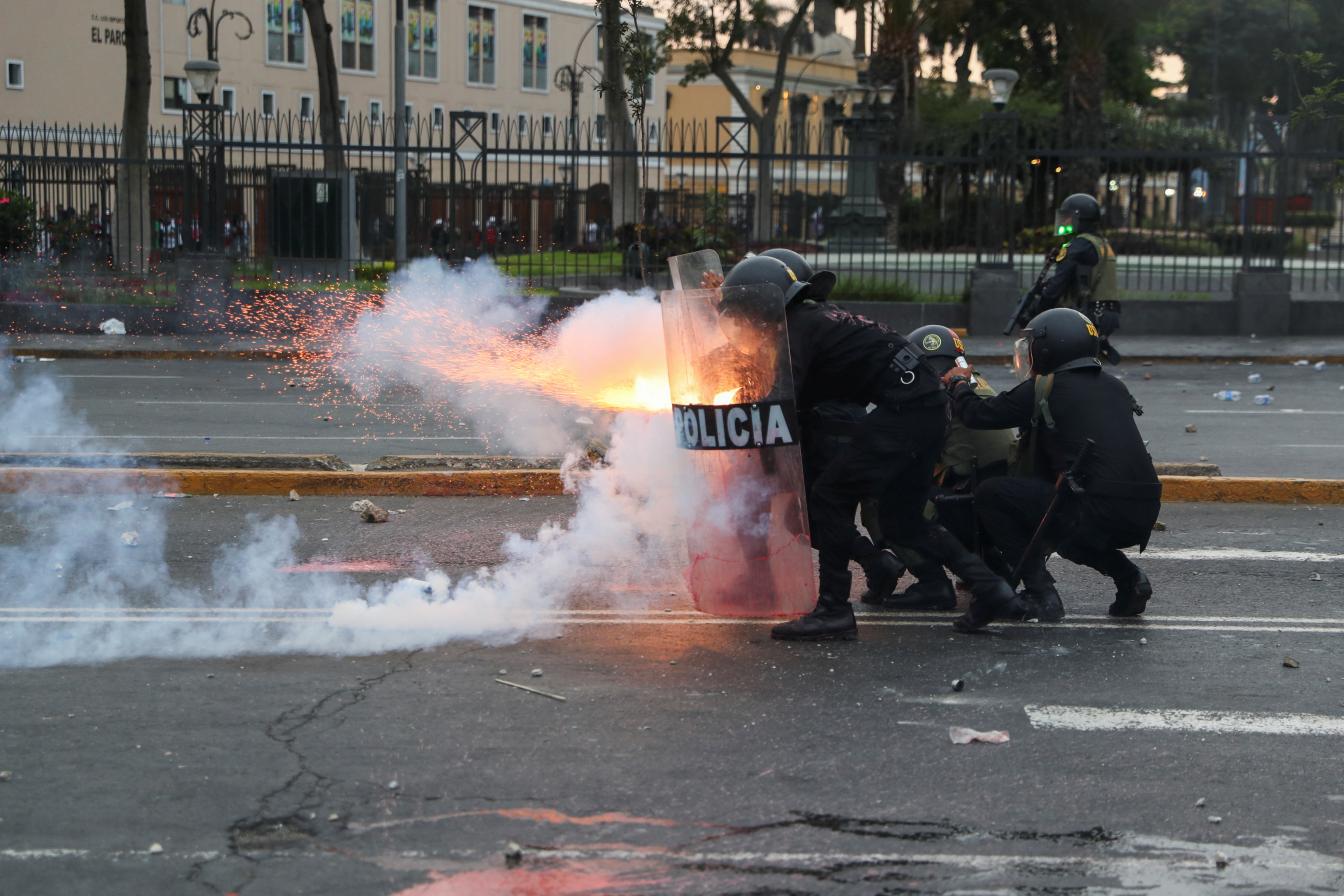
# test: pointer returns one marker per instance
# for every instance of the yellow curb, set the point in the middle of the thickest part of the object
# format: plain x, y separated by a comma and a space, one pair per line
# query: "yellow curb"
1252, 490
526, 483
466, 483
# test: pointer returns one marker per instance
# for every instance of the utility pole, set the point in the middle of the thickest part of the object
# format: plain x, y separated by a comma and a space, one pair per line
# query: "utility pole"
399, 110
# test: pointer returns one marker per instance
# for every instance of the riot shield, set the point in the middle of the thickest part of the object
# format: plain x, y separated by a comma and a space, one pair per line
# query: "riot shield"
688, 271
733, 409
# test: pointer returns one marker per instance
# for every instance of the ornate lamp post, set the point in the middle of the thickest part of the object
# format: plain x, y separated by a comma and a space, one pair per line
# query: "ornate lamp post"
995, 228
570, 78
201, 125
859, 223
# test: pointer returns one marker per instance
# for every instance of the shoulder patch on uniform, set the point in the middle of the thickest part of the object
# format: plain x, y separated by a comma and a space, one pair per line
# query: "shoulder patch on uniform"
1063, 251
932, 342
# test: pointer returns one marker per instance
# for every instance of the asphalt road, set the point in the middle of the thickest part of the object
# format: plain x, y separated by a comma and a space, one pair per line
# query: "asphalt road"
1172, 755
248, 407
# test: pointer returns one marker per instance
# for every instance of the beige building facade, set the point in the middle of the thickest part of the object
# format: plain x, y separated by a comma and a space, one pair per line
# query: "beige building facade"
67, 62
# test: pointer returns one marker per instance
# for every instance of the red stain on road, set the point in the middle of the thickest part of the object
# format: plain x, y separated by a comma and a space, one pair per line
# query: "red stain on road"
566, 879
554, 816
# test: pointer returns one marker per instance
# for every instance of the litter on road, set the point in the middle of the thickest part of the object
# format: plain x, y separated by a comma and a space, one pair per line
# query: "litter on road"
531, 690
970, 735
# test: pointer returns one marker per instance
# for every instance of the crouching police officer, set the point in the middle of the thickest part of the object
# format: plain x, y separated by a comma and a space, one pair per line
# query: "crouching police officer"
1068, 402
1085, 270
838, 356
969, 456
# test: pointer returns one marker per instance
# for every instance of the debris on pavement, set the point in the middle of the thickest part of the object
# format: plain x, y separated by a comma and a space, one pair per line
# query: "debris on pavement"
1290, 663
958, 684
170, 495
1190, 427
155, 848
1143, 640
122, 505
112, 327
335, 816
1316, 577
513, 855
1253, 378
1147, 376
1227, 395
5, 775
1159, 526
531, 690
1264, 399
1319, 365
970, 735
393, 785
1220, 860
293, 495
1215, 819
1199, 803
537, 673
1302, 363
369, 511
130, 538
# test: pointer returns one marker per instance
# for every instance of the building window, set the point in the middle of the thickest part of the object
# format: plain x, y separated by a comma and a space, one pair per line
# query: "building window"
284, 32
600, 128
306, 107
176, 93
375, 112
522, 125
547, 125
534, 52
408, 116
344, 105
267, 103
494, 123
14, 74
436, 118
228, 99
480, 45
422, 38
357, 24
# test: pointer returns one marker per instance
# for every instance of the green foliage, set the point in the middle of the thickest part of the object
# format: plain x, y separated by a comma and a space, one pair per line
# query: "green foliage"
17, 214
1310, 219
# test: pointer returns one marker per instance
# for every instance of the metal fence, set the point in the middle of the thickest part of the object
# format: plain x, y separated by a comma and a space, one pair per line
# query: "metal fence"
567, 204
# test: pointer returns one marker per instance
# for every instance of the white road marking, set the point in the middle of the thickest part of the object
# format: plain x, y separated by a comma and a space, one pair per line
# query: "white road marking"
1265, 413
1095, 718
1238, 554
1334, 447
116, 376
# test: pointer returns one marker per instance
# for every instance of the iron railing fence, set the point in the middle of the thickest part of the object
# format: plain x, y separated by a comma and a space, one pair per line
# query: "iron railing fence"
569, 204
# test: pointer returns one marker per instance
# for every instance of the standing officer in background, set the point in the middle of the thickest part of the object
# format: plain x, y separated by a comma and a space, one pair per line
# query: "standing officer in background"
1067, 402
837, 356
969, 457
1084, 277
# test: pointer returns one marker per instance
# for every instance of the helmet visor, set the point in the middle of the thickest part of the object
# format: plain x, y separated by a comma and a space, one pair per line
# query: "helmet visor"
1022, 358
1063, 223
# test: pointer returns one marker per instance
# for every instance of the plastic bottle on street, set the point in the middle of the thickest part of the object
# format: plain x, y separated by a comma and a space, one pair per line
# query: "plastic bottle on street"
1264, 399
1227, 395
1253, 378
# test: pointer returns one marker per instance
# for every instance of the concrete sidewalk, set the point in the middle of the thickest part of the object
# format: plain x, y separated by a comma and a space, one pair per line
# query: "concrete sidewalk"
1136, 349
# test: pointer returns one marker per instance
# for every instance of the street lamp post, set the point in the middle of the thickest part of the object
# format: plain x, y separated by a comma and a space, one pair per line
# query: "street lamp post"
995, 237
570, 78
860, 221
201, 125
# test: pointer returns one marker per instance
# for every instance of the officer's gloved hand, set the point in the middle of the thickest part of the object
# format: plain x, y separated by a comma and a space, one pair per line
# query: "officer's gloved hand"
1107, 317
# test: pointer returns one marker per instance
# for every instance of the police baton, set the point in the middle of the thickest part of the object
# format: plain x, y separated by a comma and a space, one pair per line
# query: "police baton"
1067, 479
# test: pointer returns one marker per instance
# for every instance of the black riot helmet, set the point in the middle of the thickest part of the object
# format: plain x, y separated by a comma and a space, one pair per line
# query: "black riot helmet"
1080, 213
939, 345
821, 282
1058, 339
760, 269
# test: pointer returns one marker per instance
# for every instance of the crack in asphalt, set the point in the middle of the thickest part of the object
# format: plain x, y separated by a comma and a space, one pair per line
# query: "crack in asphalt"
279, 819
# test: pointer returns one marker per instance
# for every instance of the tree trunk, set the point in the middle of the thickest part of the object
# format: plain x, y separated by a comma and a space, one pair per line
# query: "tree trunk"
823, 17
624, 157
131, 224
1084, 87
328, 91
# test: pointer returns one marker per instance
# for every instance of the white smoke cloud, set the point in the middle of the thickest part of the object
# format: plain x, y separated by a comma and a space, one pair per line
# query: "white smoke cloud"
78, 594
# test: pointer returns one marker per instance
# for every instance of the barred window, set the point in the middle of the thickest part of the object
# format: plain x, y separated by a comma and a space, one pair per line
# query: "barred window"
534, 52
357, 29
480, 45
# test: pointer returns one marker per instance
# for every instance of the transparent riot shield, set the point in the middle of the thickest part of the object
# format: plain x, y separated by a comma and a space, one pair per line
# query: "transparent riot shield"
733, 409
689, 270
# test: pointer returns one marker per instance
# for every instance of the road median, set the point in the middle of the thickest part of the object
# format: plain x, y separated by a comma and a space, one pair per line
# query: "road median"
522, 483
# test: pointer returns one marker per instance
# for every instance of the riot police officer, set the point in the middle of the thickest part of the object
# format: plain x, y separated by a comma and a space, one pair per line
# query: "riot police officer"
836, 355
969, 457
1067, 402
1084, 276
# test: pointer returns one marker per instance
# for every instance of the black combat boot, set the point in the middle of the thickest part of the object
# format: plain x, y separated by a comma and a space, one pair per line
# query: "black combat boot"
1132, 595
1039, 598
991, 597
832, 620
883, 571
932, 591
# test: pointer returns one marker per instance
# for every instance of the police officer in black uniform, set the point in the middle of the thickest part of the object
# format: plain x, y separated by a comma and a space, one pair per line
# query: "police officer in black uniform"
830, 426
1085, 275
1068, 401
836, 355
